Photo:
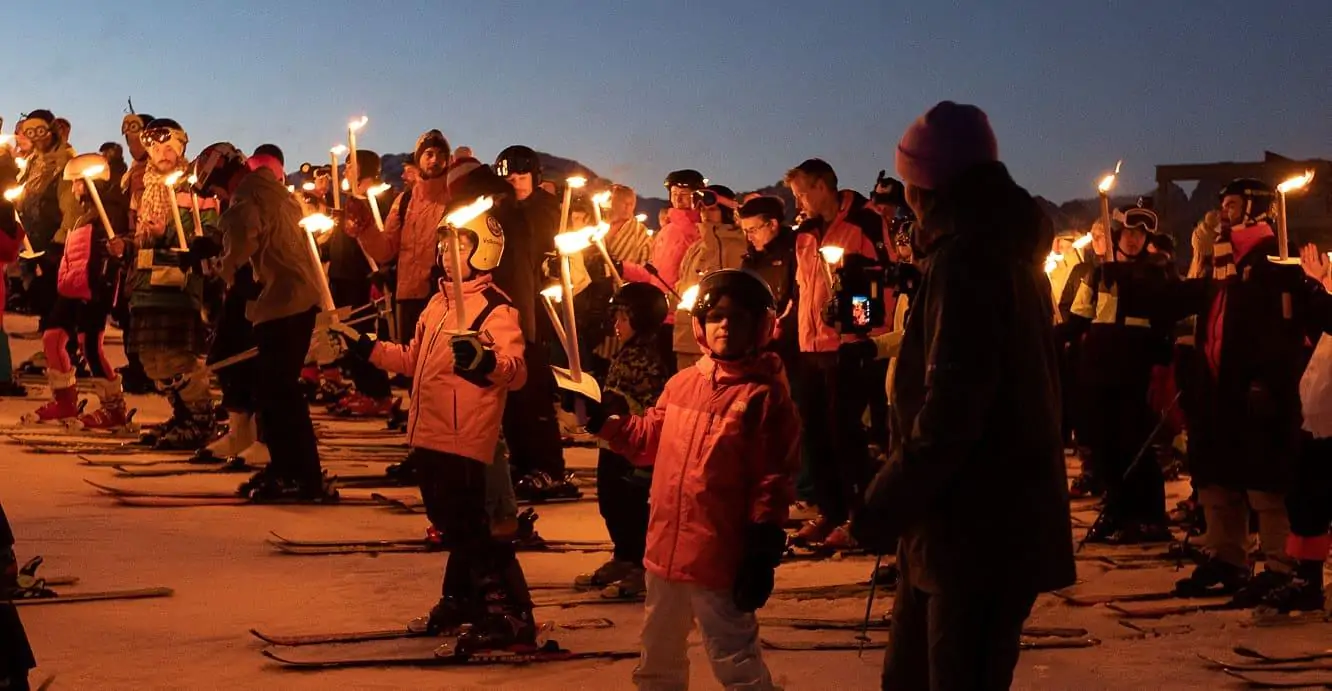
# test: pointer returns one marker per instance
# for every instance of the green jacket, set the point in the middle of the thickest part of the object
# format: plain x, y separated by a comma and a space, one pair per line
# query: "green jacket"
158, 280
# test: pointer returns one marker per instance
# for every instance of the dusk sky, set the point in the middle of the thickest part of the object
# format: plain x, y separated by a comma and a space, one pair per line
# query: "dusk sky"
739, 90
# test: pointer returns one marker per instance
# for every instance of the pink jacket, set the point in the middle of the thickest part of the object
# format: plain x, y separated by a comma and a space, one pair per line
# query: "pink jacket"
449, 413
724, 439
850, 231
410, 238
72, 278
668, 250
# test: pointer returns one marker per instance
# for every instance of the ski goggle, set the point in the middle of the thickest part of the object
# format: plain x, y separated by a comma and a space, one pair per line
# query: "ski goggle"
513, 166
131, 126
1138, 219
708, 198
35, 132
157, 135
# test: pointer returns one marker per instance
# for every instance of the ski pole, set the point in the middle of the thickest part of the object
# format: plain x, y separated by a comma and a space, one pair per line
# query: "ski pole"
1100, 516
863, 638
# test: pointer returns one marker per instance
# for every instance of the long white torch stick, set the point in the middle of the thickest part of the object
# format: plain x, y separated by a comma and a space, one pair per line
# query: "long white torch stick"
170, 182
1103, 189
194, 205
457, 220
568, 244
97, 200
1294, 184
319, 223
352, 128
549, 297
335, 180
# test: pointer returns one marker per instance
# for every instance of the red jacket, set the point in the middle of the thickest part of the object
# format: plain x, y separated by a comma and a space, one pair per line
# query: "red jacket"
723, 438
668, 250
856, 229
449, 413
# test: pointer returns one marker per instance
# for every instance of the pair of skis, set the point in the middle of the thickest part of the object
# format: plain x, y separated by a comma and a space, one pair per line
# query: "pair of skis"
1267, 670
1146, 605
418, 545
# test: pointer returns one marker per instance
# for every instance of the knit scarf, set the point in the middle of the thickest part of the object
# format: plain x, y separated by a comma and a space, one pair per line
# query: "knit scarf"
154, 205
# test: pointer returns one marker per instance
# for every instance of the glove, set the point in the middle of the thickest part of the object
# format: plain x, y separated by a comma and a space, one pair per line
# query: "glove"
765, 543
860, 352
550, 266
202, 248
472, 360
590, 415
361, 345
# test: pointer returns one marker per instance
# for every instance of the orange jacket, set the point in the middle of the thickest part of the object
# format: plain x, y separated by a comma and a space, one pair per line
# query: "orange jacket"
410, 237
449, 413
856, 229
724, 440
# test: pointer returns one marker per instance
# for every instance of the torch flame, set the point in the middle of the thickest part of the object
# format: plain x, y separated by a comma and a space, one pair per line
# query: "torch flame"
577, 181
170, 180
192, 179
291, 188
338, 150
602, 199
641, 218
832, 254
355, 125
463, 216
317, 223
94, 171
346, 186
1296, 183
1050, 266
21, 162
308, 186
1108, 182
602, 230
379, 189
689, 298
13, 193
575, 241
6, 140
553, 293
1082, 241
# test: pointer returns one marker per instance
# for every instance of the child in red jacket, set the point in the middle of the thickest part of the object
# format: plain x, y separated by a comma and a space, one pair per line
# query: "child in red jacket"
723, 439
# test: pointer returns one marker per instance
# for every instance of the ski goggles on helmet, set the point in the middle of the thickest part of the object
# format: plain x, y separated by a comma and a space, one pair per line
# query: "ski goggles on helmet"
1143, 220
158, 135
131, 126
517, 165
708, 198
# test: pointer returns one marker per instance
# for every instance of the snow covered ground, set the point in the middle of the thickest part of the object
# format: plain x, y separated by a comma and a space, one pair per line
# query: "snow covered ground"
227, 580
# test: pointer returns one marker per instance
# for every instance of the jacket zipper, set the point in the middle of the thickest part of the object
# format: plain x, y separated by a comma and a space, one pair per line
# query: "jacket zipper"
416, 397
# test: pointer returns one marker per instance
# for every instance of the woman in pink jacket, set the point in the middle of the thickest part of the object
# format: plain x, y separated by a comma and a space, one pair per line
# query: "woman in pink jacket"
723, 437
460, 383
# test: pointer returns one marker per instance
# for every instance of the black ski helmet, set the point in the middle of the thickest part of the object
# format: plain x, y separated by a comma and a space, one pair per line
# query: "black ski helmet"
745, 287
1259, 198
216, 166
645, 303
687, 178
519, 159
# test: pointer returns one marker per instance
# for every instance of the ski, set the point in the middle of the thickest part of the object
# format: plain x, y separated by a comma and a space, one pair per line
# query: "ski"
427, 656
1284, 680
1254, 653
1157, 610
414, 542
879, 644
89, 459
590, 600
415, 505
1092, 599
420, 547
206, 495
64, 598
151, 502
1260, 666
885, 623
394, 634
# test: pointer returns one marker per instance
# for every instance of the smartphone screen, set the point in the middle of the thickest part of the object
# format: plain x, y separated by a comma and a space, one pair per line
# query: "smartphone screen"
861, 310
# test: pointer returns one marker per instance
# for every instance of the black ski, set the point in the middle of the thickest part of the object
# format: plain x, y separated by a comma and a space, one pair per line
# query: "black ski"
879, 644
151, 502
885, 623
1284, 680
65, 598
428, 657
1090, 599
1250, 665
394, 634
1256, 654
1164, 608
414, 505
420, 547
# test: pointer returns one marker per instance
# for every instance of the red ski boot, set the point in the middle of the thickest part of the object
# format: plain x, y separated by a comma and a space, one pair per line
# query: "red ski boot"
113, 416
361, 405
62, 408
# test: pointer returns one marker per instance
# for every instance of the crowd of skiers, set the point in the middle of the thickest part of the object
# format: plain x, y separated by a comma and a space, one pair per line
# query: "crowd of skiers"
735, 353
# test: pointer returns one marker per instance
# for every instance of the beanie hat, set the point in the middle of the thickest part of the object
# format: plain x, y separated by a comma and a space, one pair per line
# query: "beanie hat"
433, 138
468, 179
943, 143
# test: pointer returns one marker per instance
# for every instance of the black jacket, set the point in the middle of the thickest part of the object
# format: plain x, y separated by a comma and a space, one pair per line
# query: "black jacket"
975, 486
776, 264
1244, 419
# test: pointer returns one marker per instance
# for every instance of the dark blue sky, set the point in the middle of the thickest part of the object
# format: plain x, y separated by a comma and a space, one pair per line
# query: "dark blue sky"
740, 90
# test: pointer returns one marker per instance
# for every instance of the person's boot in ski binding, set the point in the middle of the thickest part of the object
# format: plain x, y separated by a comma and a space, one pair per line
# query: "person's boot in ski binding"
1211, 578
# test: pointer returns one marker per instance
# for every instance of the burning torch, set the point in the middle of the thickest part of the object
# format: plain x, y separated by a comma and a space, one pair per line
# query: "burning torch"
568, 244
551, 295
832, 256
456, 220
571, 183
333, 155
90, 168
12, 196
194, 201
352, 128
170, 182
317, 224
1295, 184
1103, 189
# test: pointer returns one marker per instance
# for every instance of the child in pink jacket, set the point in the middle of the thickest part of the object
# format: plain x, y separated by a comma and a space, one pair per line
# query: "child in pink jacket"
459, 385
723, 438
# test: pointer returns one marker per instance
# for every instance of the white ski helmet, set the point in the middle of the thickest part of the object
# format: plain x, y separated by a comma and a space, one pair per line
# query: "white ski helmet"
88, 166
482, 229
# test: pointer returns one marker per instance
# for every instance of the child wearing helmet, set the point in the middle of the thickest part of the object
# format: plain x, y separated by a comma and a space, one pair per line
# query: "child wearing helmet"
462, 378
723, 440
638, 373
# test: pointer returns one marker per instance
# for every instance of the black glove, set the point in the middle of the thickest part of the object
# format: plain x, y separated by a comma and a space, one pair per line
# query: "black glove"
202, 248
765, 543
860, 352
472, 360
591, 414
361, 345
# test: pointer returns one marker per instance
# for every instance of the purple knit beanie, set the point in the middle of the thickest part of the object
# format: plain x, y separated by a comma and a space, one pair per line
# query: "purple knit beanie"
943, 143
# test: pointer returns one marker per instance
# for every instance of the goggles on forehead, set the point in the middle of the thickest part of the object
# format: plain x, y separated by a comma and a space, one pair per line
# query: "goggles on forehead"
157, 135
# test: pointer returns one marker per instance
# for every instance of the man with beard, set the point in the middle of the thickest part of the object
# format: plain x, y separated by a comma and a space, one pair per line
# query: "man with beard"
409, 230
167, 329
530, 426
261, 227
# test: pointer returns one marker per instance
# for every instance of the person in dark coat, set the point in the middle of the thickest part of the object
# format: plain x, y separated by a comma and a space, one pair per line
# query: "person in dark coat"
1255, 318
772, 257
15, 652
975, 489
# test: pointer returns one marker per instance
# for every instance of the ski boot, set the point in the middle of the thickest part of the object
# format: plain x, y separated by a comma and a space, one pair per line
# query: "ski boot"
840, 538
1259, 588
1211, 578
1085, 485
631, 587
1302, 593
434, 539
332, 387
607, 574
403, 473
134, 380
538, 486
270, 488
113, 416
12, 389
64, 408
397, 417
447, 618
34, 366
886, 576
310, 382
510, 631
240, 435
190, 433
814, 532
361, 405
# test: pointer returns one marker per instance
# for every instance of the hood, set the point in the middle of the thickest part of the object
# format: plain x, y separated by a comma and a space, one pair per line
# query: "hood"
992, 211
851, 200
760, 368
